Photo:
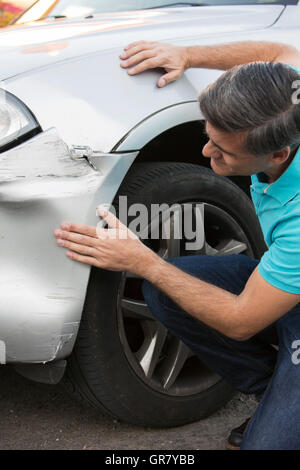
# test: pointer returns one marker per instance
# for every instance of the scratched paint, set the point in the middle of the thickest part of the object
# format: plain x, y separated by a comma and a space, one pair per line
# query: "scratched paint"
42, 291
43, 156
39, 183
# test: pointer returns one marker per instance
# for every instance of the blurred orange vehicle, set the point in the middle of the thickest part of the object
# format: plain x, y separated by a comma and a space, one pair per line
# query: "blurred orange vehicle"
10, 10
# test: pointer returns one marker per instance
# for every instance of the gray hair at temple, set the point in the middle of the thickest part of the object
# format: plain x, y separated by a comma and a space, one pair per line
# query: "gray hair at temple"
255, 98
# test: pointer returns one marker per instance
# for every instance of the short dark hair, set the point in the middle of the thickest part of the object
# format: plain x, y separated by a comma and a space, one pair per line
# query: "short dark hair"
255, 98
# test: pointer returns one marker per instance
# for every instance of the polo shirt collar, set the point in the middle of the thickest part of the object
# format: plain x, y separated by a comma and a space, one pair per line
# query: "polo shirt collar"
285, 187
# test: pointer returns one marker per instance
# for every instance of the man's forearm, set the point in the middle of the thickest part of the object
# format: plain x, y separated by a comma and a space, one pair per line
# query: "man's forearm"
226, 56
213, 306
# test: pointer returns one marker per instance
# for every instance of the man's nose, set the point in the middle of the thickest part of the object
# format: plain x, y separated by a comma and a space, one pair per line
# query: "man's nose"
207, 150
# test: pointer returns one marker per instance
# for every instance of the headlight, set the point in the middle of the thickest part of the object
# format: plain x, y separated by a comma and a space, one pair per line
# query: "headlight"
16, 121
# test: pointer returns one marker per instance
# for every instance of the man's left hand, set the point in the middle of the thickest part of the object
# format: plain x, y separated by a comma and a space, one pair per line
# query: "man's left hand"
116, 248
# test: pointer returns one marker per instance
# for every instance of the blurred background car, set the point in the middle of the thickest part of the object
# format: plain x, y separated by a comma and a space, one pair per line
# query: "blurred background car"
11, 10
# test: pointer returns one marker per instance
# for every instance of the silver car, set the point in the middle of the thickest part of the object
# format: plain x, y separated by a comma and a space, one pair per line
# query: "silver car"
76, 131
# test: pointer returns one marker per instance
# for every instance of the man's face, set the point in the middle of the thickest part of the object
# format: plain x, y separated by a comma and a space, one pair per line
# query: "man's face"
228, 156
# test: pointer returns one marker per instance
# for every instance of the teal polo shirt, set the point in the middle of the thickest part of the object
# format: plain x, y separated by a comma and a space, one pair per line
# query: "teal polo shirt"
278, 208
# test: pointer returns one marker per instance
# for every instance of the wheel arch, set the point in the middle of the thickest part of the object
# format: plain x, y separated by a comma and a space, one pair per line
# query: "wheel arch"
174, 134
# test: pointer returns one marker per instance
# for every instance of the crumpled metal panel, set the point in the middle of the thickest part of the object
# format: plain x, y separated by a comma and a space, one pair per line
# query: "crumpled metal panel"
42, 291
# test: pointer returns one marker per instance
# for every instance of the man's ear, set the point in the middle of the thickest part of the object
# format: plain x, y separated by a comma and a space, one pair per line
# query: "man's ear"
280, 157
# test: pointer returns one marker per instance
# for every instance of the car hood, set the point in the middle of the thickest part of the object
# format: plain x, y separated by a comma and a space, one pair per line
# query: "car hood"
40, 44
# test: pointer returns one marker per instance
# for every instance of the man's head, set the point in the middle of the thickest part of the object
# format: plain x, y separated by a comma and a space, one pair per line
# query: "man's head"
251, 120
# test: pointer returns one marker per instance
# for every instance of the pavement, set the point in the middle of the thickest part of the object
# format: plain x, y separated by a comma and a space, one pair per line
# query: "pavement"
38, 416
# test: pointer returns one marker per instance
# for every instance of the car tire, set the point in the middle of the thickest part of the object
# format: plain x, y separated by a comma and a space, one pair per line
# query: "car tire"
103, 369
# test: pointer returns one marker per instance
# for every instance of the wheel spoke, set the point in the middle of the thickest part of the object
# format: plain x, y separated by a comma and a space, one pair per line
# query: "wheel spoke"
172, 229
229, 247
173, 248
149, 354
130, 275
136, 309
174, 363
163, 251
209, 250
194, 215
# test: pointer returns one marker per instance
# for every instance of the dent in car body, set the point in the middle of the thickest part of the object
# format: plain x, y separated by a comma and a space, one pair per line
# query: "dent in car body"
42, 291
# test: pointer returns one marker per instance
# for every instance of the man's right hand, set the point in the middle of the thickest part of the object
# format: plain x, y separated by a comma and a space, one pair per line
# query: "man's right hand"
144, 55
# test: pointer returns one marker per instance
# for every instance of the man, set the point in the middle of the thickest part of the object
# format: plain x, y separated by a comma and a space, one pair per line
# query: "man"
230, 310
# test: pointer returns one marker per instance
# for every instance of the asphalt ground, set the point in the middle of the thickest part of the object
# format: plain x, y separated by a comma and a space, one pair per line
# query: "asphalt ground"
37, 416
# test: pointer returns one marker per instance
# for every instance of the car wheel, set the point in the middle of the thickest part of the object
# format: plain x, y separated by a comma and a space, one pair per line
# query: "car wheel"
124, 362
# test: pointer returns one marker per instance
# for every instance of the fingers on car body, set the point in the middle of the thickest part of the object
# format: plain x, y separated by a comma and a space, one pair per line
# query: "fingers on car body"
143, 55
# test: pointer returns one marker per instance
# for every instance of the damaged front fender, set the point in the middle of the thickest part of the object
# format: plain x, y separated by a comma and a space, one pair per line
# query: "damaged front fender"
41, 290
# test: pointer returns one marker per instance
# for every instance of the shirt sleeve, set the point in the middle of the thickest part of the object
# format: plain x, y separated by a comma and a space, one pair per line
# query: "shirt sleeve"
280, 265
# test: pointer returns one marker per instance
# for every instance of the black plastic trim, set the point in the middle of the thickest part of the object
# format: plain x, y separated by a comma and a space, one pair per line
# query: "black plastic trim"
21, 139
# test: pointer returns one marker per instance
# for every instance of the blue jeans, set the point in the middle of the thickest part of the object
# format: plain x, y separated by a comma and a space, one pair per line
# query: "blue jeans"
252, 366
